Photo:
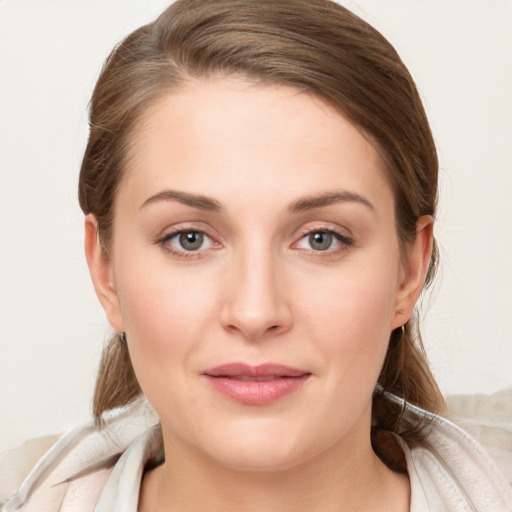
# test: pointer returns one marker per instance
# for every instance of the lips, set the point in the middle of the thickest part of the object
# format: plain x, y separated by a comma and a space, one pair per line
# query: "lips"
256, 385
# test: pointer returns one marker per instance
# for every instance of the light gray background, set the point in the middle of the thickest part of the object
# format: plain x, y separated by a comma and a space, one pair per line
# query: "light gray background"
51, 326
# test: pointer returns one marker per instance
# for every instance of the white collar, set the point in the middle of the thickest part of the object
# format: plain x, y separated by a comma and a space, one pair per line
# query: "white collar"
121, 492
449, 472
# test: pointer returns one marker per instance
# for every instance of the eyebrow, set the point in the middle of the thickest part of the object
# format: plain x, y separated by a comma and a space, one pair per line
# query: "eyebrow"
193, 200
299, 205
326, 199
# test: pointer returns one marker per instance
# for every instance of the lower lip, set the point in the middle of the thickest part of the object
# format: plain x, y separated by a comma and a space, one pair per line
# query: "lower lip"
254, 392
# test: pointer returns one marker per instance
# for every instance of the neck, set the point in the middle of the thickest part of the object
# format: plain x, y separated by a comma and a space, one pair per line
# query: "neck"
347, 476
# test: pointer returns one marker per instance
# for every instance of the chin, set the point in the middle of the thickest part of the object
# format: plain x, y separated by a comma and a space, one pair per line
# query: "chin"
258, 447
258, 459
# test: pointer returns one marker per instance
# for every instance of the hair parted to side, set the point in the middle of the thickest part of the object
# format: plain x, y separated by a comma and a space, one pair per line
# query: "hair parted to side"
320, 48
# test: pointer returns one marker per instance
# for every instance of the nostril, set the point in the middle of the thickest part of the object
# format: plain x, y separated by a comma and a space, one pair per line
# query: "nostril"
253, 333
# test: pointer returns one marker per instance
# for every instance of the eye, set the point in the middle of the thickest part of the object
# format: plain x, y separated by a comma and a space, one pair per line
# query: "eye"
323, 240
320, 241
188, 241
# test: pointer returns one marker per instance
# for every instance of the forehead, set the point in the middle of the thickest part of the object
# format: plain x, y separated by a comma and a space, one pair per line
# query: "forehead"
230, 138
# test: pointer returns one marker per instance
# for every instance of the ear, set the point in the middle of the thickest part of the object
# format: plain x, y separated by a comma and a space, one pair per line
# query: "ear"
101, 270
415, 267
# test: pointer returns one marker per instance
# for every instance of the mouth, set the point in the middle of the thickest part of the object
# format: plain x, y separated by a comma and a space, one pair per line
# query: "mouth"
255, 385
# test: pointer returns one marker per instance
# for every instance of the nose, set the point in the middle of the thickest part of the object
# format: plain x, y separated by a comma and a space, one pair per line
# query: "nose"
256, 301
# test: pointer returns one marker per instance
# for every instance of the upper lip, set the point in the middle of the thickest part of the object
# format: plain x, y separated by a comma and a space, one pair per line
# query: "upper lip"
261, 370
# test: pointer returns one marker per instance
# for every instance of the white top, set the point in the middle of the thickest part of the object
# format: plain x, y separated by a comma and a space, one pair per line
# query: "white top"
100, 469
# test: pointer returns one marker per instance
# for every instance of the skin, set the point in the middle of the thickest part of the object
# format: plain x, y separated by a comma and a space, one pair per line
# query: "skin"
258, 291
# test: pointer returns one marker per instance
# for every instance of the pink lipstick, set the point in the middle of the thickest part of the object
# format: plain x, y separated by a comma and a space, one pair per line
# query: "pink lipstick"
255, 385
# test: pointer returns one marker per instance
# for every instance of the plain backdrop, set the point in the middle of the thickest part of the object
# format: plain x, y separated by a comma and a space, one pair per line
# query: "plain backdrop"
51, 326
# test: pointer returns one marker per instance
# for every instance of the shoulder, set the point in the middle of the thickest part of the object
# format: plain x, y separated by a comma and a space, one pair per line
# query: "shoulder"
15, 464
451, 471
72, 473
488, 419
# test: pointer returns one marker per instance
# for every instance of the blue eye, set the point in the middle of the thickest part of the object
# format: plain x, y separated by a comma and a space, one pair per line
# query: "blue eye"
320, 241
187, 241
323, 240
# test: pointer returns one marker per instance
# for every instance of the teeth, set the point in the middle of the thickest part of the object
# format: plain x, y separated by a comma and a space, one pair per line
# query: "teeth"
257, 379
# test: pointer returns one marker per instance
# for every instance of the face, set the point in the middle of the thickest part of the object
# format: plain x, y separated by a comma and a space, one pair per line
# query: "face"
256, 271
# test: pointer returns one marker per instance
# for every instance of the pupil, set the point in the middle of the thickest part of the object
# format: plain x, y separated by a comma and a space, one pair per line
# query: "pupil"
320, 241
191, 241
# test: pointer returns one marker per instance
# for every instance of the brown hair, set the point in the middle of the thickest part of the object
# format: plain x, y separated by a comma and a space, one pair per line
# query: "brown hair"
316, 46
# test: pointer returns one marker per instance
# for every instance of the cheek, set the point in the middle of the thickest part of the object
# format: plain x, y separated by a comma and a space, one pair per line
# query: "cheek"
349, 316
357, 300
166, 312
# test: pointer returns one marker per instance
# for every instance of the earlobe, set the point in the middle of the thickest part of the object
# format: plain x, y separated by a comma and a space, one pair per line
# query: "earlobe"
100, 268
415, 268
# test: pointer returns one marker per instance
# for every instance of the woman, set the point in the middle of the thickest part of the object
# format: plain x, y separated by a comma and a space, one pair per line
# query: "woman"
259, 187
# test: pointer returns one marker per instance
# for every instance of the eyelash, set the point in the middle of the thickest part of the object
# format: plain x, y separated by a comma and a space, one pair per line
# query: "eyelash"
164, 242
345, 242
